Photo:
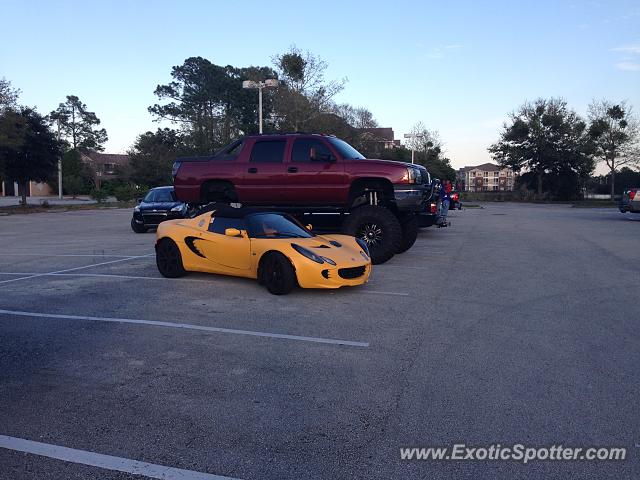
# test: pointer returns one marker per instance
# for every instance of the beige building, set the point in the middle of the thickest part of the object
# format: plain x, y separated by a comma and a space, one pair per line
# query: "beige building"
486, 178
104, 166
36, 189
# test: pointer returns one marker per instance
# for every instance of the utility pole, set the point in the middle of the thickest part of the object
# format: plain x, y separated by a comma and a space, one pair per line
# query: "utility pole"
59, 166
269, 83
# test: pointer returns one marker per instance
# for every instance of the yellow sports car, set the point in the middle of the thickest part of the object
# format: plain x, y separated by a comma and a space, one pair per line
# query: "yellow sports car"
270, 246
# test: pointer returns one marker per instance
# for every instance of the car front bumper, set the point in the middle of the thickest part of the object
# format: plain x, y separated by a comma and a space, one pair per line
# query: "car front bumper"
153, 219
329, 277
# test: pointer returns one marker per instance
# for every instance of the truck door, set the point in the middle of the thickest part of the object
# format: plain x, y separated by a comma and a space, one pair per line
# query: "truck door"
265, 171
314, 175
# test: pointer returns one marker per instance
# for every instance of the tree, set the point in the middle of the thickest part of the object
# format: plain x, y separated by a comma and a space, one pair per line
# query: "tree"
152, 156
357, 117
544, 137
8, 95
28, 148
78, 126
208, 102
304, 94
615, 133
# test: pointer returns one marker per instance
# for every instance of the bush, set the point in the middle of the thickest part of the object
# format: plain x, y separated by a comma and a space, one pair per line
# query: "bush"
125, 192
98, 194
73, 185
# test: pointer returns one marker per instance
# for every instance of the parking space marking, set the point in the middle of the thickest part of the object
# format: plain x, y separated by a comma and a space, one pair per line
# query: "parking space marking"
63, 255
76, 268
140, 277
187, 326
107, 462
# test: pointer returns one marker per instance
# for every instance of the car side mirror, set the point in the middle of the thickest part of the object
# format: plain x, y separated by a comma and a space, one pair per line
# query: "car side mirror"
309, 227
327, 158
139, 200
232, 232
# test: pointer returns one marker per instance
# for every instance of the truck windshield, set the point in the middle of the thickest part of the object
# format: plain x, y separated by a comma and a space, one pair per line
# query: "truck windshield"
275, 225
345, 150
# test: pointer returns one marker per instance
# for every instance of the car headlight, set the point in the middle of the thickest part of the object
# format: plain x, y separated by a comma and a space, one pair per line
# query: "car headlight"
364, 247
307, 253
329, 261
178, 208
136, 208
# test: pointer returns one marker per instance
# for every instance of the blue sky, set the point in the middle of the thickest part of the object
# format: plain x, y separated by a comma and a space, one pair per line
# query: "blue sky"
459, 67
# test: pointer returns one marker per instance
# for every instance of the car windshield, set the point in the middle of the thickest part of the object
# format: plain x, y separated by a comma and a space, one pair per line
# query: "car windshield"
275, 225
164, 195
345, 150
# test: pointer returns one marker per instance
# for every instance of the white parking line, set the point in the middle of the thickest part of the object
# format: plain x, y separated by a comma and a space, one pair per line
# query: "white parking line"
107, 462
140, 277
74, 269
64, 255
187, 326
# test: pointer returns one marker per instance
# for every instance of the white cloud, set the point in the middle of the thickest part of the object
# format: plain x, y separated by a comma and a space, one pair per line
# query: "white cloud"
439, 52
631, 48
628, 66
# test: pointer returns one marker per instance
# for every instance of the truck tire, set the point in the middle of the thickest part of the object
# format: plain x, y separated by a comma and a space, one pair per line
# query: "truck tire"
377, 226
409, 234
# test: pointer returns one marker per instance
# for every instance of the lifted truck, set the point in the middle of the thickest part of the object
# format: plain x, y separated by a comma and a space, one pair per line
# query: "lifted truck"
311, 176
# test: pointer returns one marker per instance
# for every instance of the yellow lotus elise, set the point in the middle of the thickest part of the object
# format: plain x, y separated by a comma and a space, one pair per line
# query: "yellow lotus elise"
272, 247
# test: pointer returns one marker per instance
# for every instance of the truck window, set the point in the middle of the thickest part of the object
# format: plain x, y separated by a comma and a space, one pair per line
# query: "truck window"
310, 150
269, 151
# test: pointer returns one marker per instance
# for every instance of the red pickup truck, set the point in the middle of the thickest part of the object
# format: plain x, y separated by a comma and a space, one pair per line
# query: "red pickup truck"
383, 202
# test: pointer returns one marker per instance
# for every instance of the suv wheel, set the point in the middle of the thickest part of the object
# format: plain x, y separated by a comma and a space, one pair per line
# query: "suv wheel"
168, 259
136, 227
378, 227
277, 274
409, 233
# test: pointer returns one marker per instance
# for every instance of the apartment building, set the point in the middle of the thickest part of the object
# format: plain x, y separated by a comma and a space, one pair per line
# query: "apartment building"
485, 178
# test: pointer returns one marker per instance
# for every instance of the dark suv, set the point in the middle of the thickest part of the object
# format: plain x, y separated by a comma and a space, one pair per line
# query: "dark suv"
158, 205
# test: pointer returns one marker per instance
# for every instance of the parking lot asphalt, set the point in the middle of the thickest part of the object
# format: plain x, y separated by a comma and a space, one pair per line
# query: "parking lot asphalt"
518, 324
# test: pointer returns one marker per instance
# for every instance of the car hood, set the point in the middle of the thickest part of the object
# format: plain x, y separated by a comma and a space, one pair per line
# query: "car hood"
347, 253
162, 206
391, 162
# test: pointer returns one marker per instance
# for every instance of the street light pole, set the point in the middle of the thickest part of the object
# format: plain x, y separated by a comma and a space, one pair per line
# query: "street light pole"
260, 110
269, 83
413, 136
59, 166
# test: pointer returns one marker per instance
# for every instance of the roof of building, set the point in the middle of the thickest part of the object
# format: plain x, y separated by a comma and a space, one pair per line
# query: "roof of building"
488, 167
117, 158
380, 133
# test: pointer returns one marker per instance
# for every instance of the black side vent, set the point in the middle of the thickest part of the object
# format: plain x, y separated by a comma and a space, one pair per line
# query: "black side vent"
189, 242
335, 244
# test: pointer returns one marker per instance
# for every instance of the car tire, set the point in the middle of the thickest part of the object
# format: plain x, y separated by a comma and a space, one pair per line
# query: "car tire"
136, 227
169, 259
409, 234
377, 226
277, 274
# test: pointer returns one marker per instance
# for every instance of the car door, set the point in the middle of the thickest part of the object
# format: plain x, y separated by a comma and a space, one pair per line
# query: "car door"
315, 175
265, 174
225, 254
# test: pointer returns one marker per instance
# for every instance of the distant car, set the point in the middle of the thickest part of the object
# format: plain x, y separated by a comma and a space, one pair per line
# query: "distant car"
269, 246
158, 205
630, 201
